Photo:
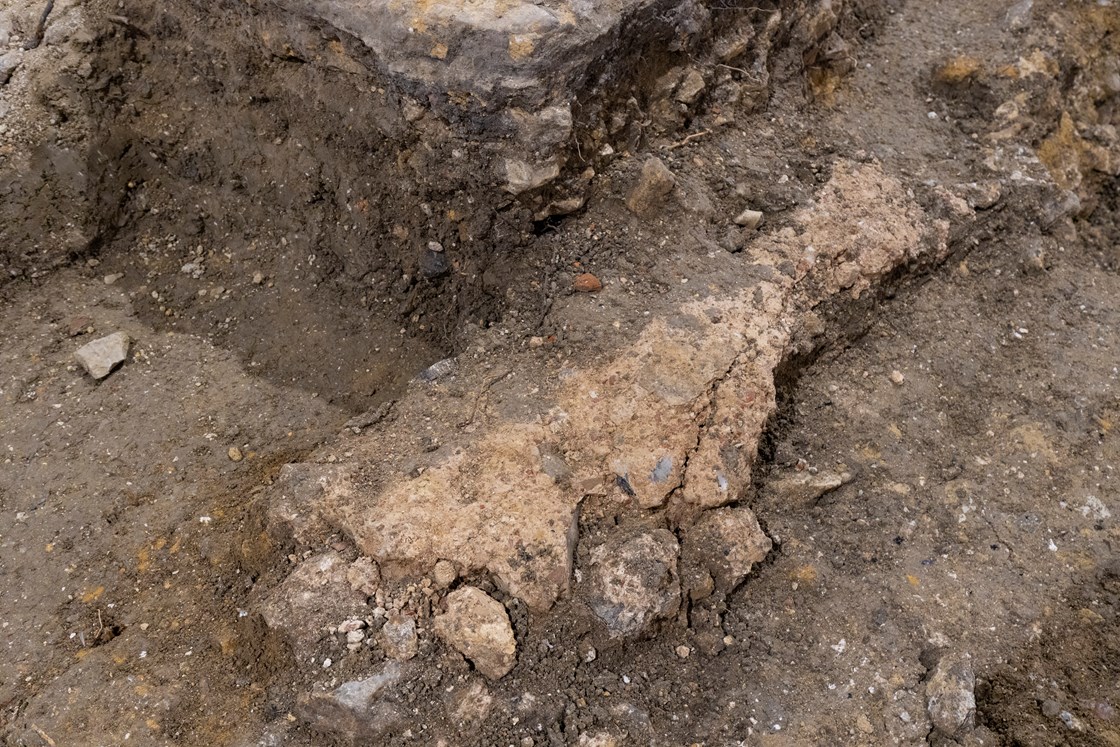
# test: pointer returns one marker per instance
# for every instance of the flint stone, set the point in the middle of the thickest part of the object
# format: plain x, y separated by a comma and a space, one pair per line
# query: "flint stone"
101, 356
801, 488
358, 712
634, 581
477, 626
727, 542
950, 696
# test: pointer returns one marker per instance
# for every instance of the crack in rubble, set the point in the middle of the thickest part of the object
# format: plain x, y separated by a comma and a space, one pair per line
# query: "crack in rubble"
702, 428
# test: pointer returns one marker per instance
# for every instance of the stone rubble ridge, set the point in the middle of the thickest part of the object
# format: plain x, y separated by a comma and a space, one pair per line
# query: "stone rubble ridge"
670, 423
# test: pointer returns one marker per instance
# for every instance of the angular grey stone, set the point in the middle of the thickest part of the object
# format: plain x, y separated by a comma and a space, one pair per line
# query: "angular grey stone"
357, 712
950, 696
477, 626
101, 356
634, 581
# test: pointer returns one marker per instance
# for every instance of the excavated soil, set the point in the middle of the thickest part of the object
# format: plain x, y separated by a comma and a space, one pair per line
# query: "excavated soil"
227, 205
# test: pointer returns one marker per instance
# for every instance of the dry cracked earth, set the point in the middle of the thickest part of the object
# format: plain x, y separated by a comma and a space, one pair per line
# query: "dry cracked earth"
678, 373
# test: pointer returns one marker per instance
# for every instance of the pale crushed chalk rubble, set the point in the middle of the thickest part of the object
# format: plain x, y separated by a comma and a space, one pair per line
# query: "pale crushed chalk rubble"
477, 626
676, 416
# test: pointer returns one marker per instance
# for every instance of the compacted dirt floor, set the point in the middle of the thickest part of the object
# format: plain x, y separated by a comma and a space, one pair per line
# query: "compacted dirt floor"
973, 405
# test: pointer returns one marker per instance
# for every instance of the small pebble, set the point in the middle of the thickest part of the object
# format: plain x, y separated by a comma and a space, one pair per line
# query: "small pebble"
235, 454
258, 278
897, 378
114, 277
587, 283
683, 651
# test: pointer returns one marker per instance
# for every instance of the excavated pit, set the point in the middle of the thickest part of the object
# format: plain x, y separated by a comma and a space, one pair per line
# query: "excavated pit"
373, 223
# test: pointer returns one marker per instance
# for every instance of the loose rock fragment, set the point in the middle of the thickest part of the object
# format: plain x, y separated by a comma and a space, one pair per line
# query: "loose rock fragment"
897, 378
727, 542
805, 487
234, 454
749, 218
472, 704
398, 637
1035, 256
950, 697
9, 63
79, 325
364, 576
444, 574
101, 356
690, 88
437, 370
522, 176
310, 600
634, 581
477, 626
358, 712
1019, 15
982, 195
587, 283
291, 514
654, 185
434, 263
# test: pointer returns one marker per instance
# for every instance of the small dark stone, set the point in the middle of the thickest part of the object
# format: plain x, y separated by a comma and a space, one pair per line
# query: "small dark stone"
434, 264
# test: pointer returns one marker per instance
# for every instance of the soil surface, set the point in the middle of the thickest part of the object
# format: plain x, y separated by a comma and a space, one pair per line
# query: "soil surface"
252, 241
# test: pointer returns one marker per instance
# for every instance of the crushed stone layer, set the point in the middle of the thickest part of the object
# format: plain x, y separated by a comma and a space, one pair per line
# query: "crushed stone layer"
671, 422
